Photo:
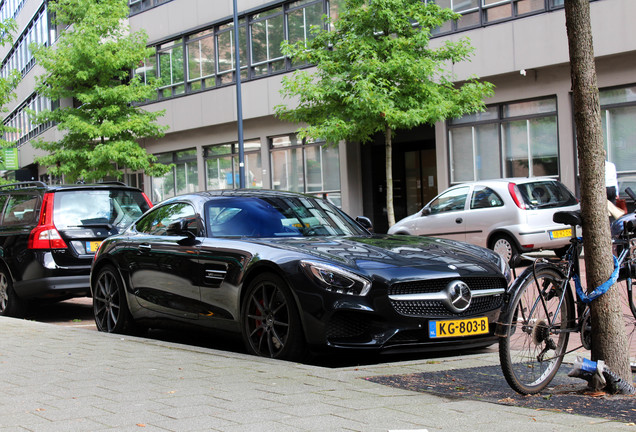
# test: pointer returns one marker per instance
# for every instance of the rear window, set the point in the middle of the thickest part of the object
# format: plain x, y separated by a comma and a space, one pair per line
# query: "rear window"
97, 208
546, 194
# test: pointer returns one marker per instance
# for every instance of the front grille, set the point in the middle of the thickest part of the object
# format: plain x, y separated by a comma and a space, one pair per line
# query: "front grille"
435, 308
347, 325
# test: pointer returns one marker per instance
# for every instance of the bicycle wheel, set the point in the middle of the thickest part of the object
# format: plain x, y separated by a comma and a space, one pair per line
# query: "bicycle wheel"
629, 314
533, 346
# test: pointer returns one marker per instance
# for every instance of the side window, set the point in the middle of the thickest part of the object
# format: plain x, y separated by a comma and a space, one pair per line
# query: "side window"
484, 197
3, 200
157, 221
452, 200
20, 209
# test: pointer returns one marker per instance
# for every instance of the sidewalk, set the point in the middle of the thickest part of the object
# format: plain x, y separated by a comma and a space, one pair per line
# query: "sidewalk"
56, 378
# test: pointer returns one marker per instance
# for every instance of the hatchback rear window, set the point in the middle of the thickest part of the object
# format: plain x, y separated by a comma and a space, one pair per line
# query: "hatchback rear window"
546, 194
96, 208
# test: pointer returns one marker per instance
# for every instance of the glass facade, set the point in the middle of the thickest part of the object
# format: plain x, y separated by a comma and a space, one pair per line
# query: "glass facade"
518, 139
222, 165
307, 167
183, 178
618, 115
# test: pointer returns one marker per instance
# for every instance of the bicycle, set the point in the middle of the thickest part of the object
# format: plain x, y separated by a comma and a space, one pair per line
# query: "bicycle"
542, 311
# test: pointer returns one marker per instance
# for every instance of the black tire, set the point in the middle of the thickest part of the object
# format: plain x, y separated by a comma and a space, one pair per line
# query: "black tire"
628, 305
270, 321
505, 246
528, 333
10, 304
110, 306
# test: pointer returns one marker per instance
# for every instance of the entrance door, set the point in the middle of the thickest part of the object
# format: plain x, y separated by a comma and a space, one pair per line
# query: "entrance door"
420, 179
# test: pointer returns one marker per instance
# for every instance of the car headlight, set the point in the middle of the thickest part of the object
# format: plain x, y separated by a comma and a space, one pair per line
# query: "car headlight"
336, 279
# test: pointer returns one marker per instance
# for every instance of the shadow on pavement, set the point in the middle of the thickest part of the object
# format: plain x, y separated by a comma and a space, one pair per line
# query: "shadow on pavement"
487, 383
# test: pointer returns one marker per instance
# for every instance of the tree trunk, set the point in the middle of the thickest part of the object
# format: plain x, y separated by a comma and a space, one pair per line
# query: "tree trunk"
609, 342
390, 212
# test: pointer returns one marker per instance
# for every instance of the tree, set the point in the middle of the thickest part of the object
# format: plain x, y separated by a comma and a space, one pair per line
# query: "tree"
8, 83
91, 63
375, 73
609, 342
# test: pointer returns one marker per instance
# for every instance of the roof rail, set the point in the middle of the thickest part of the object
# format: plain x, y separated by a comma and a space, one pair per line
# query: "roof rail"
23, 185
113, 182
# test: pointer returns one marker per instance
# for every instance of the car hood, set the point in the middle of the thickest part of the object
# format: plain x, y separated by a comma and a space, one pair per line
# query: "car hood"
368, 254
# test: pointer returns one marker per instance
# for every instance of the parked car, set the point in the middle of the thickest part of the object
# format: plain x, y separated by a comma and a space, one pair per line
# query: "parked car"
49, 234
289, 272
510, 216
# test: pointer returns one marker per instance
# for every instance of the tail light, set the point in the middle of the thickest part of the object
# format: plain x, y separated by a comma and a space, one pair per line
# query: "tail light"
45, 235
516, 196
147, 199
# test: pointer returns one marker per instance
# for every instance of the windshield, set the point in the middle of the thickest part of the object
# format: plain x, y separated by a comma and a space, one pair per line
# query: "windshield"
98, 208
546, 194
277, 217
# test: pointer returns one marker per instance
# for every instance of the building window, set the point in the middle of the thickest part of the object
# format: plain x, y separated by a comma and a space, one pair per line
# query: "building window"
201, 63
267, 32
21, 120
137, 6
618, 115
222, 165
171, 68
20, 57
183, 178
307, 167
517, 139
226, 52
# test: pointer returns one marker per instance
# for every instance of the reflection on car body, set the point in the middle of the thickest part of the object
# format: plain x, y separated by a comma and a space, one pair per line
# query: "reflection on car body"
290, 272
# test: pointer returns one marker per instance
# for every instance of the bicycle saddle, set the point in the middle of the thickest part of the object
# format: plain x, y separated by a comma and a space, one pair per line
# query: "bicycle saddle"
567, 217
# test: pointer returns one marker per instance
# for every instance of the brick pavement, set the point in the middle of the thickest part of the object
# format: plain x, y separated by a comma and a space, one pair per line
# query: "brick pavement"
57, 378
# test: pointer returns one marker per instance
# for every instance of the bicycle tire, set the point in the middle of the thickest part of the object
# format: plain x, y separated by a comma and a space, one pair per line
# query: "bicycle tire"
628, 305
527, 334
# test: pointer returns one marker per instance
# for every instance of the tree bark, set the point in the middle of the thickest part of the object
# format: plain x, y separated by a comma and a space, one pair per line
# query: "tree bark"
390, 211
609, 341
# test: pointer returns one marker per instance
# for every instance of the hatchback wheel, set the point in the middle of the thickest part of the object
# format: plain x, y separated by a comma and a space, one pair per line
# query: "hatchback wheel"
270, 321
505, 247
110, 306
10, 303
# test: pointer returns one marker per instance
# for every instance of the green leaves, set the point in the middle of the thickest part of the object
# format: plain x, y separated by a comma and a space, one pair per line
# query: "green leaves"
91, 63
376, 69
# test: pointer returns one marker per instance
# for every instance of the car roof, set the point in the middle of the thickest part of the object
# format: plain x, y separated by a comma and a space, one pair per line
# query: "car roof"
518, 180
36, 185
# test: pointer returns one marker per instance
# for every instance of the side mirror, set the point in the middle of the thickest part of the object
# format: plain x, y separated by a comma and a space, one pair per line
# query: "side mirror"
365, 222
426, 211
180, 228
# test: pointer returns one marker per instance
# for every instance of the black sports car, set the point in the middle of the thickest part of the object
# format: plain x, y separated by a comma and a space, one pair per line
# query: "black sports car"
291, 271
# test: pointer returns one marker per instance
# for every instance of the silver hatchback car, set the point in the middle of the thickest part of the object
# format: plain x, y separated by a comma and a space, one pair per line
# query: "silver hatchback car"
510, 216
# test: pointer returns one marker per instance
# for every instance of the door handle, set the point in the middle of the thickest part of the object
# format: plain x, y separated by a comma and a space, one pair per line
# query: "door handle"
459, 220
144, 247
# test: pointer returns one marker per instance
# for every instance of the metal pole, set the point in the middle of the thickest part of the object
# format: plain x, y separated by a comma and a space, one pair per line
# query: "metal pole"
239, 102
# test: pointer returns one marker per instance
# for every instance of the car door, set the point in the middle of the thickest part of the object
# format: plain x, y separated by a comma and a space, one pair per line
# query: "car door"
486, 212
444, 216
163, 267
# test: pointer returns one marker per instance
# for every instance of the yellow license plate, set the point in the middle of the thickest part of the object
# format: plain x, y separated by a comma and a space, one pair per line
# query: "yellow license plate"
455, 328
92, 246
561, 233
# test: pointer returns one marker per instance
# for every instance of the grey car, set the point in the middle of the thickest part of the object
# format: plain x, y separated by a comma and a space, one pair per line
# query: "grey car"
510, 216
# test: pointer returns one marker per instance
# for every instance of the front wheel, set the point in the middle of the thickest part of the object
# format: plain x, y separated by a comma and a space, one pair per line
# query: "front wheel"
628, 305
536, 336
270, 321
110, 306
